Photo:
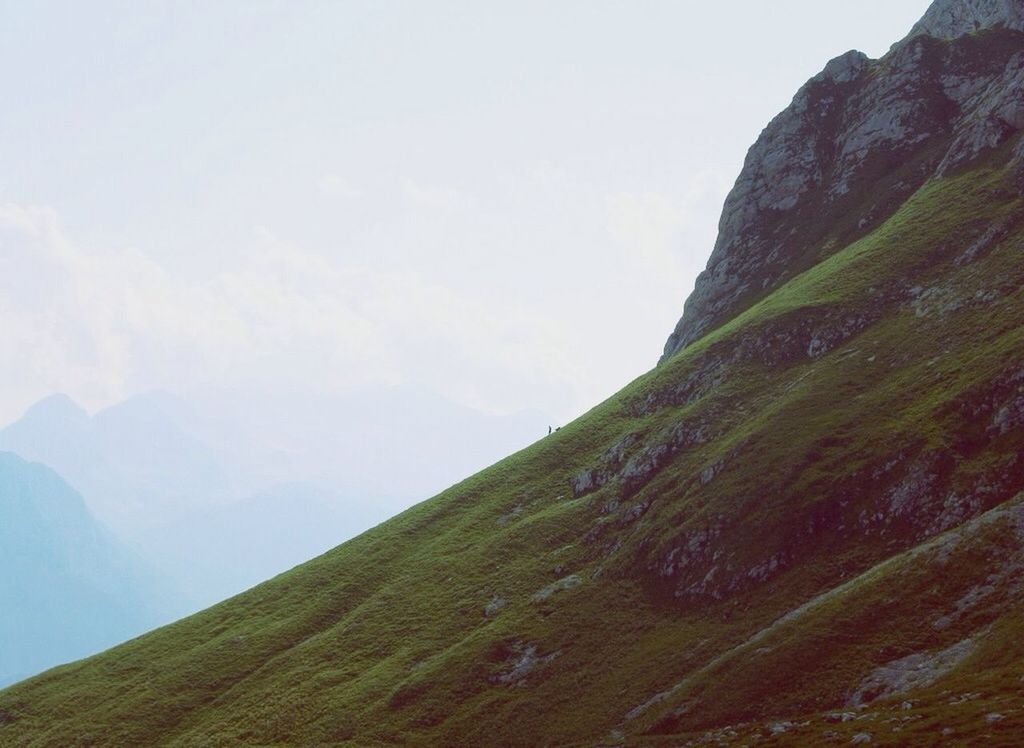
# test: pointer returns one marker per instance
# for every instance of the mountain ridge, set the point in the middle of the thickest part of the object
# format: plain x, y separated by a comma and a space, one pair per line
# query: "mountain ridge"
857, 140
949, 19
61, 566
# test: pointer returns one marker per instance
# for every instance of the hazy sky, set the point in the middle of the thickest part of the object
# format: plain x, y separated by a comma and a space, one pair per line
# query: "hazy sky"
504, 201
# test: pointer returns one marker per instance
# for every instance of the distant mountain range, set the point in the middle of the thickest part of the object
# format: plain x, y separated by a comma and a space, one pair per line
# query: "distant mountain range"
156, 459
134, 462
223, 490
68, 587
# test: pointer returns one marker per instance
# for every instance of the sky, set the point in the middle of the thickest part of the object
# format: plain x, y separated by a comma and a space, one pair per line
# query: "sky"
503, 202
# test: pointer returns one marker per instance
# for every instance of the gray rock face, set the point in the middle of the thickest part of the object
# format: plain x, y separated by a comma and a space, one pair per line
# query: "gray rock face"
913, 671
857, 140
560, 585
950, 19
522, 660
998, 116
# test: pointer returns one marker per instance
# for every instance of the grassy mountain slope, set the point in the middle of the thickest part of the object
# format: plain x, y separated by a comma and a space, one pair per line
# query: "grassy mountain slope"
752, 538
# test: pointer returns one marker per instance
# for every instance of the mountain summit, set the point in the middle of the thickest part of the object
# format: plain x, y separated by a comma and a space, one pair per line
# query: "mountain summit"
858, 139
950, 19
804, 527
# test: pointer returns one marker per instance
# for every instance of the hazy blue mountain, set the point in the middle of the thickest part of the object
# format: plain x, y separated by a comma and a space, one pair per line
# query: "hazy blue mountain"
155, 459
69, 588
134, 463
222, 489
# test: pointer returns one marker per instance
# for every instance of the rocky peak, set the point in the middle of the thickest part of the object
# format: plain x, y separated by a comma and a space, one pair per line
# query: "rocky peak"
858, 139
950, 19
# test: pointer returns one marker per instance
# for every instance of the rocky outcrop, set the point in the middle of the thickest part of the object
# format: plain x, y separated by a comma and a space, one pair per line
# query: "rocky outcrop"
950, 19
521, 660
998, 114
633, 470
910, 672
857, 140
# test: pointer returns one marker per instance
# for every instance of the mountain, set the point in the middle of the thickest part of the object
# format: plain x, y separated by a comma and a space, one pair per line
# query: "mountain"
220, 490
858, 140
805, 526
135, 462
68, 588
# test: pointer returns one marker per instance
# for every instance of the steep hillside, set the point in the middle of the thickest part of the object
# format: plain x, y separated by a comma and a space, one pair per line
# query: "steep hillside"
806, 525
68, 588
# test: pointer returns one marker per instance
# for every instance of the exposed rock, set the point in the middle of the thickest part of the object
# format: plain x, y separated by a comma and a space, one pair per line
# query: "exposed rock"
654, 700
710, 472
991, 237
834, 717
514, 513
636, 511
616, 453
767, 568
781, 168
644, 462
998, 115
915, 671
587, 480
791, 337
936, 301
916, 488
690, 562
1000, 401
494, 605
861, 738
949, 19
608, 463
523, 658
860, 132
565, 583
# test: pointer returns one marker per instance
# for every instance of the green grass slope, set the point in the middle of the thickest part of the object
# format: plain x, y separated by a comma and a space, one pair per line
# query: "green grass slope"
806, 528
